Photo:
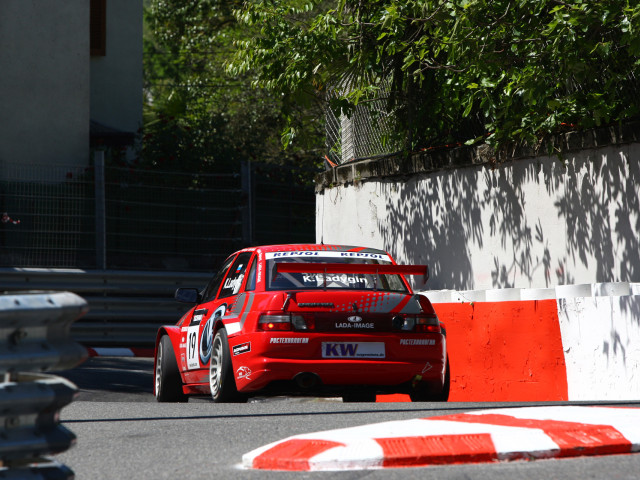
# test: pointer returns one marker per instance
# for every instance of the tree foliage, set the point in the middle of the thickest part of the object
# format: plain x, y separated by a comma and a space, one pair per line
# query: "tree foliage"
500, 71
196, 116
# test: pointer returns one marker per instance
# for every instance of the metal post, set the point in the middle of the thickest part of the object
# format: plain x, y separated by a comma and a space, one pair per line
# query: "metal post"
247, 201
101, 241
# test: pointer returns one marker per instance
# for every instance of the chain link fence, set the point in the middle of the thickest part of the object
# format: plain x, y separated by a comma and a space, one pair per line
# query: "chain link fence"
283, 206
367, 131
47, 215
149, 220
371, 128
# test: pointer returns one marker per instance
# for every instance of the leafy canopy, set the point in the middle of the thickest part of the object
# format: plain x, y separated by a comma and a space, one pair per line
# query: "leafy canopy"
500, 71
196, 116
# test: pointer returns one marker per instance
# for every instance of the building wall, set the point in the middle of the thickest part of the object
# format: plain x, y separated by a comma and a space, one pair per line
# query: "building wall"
527, 223
116, 78
44, 83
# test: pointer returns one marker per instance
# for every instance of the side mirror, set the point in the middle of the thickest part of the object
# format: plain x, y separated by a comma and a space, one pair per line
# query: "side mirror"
187, 295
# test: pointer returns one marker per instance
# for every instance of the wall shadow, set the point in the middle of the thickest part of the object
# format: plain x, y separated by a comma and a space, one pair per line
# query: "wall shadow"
542, 222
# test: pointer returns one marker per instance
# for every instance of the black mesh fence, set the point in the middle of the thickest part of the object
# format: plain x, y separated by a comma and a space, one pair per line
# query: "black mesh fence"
153, 220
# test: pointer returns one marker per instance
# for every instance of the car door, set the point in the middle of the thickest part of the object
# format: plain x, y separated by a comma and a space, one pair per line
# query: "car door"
195, 353
219, 294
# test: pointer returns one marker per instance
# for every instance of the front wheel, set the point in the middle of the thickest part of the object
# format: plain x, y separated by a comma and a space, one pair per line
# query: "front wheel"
168, 381
221, 381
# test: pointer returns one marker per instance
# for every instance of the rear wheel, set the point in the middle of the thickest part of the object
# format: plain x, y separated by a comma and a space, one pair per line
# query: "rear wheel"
221, 381
424, 395
168, 381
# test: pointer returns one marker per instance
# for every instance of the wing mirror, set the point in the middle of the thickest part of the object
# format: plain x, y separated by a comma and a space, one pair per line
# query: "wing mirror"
187, 295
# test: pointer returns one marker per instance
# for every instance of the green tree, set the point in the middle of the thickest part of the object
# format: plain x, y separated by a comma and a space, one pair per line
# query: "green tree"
500, 71
196, 116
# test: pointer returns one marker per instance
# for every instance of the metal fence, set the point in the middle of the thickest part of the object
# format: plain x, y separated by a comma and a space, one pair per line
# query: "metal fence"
366, 132
283, 206
111, 217
371, 128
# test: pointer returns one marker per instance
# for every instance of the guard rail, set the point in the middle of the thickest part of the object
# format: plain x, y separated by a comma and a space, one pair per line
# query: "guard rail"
125, 307
34, 338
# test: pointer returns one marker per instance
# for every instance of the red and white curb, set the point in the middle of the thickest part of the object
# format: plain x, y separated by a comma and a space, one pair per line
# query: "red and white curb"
484, 436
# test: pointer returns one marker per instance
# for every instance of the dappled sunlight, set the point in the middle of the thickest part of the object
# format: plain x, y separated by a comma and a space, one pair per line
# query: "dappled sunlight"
528, 223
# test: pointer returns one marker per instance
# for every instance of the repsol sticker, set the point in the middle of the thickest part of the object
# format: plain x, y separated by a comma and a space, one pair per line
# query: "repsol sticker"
305, 253
328, 254
242, 348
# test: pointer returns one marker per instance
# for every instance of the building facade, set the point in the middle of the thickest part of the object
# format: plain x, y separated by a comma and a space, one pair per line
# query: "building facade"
57, 90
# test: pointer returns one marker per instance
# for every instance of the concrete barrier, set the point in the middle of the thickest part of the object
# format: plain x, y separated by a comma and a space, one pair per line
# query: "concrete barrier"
601, 342
574, 342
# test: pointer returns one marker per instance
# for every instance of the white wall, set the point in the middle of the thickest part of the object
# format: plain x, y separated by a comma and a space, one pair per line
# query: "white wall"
601, 341
116, 78
44, 82
528, 224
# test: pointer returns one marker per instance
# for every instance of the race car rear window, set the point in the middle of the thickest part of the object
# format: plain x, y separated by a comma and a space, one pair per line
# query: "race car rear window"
320, 281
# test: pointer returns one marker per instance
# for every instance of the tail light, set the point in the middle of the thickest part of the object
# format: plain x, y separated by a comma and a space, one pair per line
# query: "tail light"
423, 323
428, 321
427, 324
280, 322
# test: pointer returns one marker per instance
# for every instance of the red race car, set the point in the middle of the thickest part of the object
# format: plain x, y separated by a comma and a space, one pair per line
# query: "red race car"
315, 320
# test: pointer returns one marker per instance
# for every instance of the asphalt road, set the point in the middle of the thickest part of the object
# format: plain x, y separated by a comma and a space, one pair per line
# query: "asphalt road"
123, 433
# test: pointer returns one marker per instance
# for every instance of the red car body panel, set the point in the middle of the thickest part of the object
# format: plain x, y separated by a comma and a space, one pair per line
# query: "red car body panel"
352, 336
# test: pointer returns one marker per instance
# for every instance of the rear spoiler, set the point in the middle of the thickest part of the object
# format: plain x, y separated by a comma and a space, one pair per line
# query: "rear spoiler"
297, 267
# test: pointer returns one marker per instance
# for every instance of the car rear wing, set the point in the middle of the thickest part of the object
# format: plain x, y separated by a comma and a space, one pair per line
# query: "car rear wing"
366, 268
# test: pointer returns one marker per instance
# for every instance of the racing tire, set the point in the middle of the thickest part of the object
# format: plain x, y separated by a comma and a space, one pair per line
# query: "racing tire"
168, 385
221, 380
364, 396
426, 396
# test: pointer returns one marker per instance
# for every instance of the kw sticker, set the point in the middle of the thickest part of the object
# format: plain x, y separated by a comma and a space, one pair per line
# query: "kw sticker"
353, 350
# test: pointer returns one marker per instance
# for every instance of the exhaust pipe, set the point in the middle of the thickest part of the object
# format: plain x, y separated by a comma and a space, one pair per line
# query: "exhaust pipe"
307, 380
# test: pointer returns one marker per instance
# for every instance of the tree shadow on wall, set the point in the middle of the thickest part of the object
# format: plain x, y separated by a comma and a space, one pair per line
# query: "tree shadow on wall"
432, 222
441, 218
600, 208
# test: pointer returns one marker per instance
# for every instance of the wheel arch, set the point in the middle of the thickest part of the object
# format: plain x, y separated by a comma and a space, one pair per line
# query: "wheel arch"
217, 326
174, 337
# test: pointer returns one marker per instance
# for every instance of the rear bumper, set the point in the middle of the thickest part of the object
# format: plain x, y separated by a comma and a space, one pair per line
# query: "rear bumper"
391, 363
